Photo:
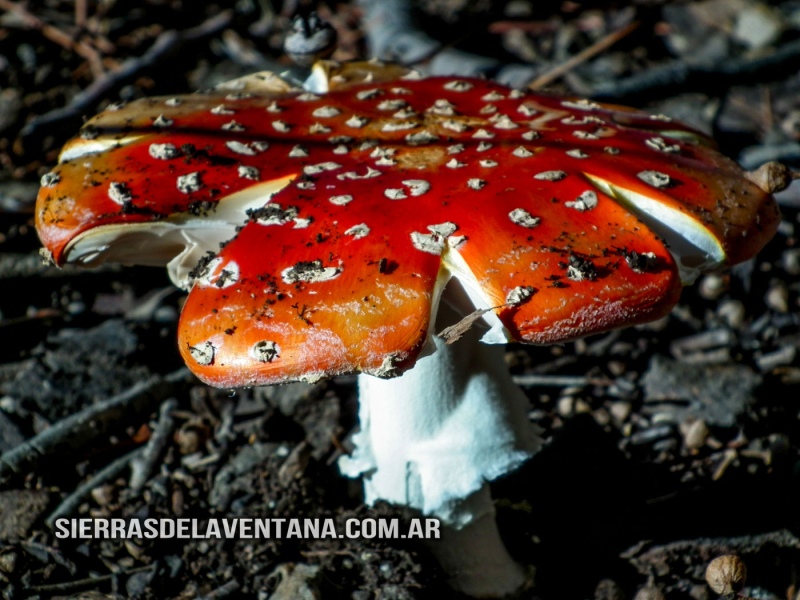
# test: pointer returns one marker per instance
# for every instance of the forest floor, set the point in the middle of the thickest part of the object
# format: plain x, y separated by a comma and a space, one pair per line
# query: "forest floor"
667, 444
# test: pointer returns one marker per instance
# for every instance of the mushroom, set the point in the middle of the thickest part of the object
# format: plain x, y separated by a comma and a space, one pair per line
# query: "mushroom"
333, 229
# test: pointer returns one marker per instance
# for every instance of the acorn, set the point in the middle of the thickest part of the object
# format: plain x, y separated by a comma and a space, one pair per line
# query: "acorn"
726, 575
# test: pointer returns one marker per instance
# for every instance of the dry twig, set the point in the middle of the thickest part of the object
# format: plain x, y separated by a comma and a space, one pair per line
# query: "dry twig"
581, 57
69, 116
70, 504
678, 76
56, 35
81, 429
143, 466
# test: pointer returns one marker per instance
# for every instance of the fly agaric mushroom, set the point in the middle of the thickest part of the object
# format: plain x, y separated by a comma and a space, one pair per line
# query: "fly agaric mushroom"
319, 229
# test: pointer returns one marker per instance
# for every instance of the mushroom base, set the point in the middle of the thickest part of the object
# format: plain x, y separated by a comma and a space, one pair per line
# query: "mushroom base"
431, 439
475, 557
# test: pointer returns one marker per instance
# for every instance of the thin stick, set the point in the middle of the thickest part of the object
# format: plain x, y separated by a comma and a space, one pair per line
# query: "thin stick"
559, 380
70, 435
223, 591
169, 41
87, 582
582, 56
80, 14
142, 466
70, 504
54, 34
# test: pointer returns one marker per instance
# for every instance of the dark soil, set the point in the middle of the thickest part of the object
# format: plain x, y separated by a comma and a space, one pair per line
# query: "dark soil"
668, 444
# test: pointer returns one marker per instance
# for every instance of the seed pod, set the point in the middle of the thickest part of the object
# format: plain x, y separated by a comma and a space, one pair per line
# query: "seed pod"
726, 574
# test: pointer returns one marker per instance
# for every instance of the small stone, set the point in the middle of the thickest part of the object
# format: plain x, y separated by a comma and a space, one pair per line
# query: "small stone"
21, 509
695, 434
298, 581
103, 494
190, 438
732, 312
791, 261
713, 286
649, 592
608, 589
601, 417
617, 368
582, 407
777, 297
620, 410
8, 562
758, 26
566, 406
698, 592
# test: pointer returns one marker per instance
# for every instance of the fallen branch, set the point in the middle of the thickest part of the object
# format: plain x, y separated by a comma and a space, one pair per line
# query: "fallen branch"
581, 57
69, 117
80, 430
93, 581
559, 380
679, 76
54, 34
71, 503
142, 465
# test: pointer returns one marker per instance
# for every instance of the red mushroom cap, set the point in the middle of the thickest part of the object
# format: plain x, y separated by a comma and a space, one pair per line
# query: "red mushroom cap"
362, 199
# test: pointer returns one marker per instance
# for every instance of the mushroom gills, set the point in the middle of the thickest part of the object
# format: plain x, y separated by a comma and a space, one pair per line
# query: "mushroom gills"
80, 147
180, 241
469, 296
696, 249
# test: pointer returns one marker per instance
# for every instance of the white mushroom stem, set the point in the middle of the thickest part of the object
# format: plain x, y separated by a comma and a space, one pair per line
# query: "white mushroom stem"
474, 555
431, 439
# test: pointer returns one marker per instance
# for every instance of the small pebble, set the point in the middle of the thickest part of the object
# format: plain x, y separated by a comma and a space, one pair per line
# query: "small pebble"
779, 444
695, 434
649, 592
777, 297
565, 406
189, 439
713, 286
617, 368
608, 589
76, 308
757, 26
103, 494
732, 312
165, 314
791, 261
133, 549
601, 417
699, 592
620, 410
8, 562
